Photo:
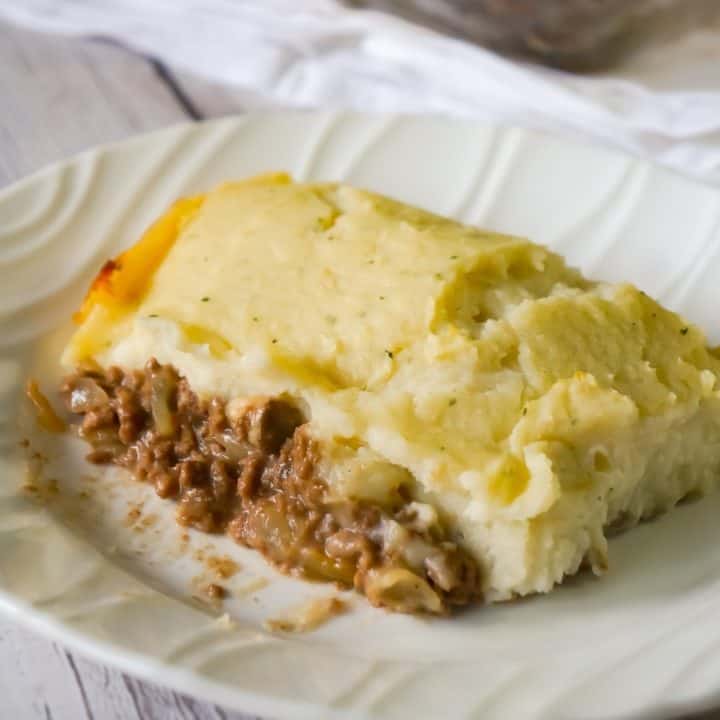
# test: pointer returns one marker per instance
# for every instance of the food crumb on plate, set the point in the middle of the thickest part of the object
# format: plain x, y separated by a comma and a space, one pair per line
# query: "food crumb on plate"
133, 514
252, 587
38, 488
308, 616
225, 622
215, 591
40, 458
148, 521
222, 566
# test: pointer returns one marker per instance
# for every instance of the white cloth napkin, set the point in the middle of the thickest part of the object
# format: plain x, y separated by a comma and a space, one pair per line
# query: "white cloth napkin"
664, 105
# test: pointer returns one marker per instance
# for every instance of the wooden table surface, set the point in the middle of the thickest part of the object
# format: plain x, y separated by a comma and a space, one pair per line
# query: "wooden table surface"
59, 96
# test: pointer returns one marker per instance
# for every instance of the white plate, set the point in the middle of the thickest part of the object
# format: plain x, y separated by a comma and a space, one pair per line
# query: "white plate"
643, 640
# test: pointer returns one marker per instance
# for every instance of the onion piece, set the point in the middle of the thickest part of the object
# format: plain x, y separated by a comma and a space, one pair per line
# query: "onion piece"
402, 591
235, 450
442, 570
47, 418
161, 389
309, 616
86, 395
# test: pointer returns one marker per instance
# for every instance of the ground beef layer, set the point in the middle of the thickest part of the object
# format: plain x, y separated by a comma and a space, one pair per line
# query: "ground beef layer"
249, 468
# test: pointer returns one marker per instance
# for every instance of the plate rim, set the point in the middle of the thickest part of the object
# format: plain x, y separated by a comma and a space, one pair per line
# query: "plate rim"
186, 680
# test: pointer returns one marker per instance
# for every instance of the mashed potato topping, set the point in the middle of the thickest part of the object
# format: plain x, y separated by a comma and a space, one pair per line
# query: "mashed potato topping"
528, 406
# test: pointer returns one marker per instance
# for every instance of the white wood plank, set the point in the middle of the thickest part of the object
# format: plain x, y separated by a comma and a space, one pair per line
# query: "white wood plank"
60, 95
213, 99
34, 679
40, 679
